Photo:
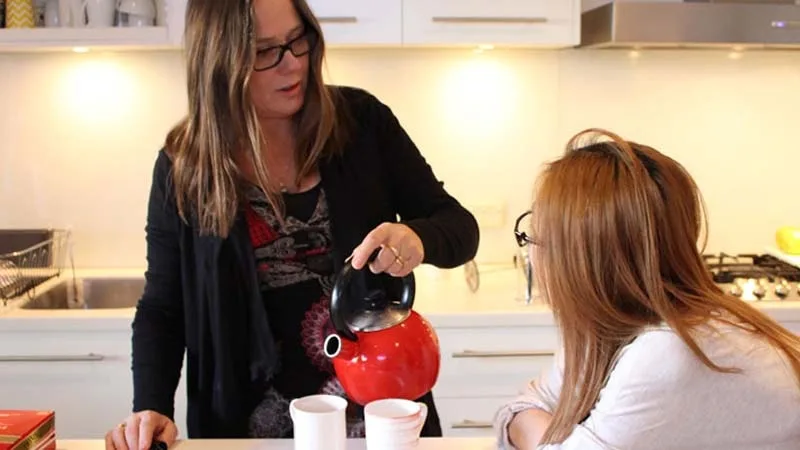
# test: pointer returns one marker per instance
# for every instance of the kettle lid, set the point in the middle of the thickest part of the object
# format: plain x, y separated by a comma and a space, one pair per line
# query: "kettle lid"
378, 313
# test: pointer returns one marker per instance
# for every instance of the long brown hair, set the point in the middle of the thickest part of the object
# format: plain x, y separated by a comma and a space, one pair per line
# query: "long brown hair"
616, 227
222, 121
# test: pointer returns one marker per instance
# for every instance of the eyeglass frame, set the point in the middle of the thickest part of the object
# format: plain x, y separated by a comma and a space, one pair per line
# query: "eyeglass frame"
287, 46
522, 237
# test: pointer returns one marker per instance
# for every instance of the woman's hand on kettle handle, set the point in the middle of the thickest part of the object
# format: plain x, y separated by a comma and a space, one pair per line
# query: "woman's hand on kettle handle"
401, 250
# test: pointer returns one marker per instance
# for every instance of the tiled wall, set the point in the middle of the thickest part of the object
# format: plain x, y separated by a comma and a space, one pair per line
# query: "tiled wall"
79, 132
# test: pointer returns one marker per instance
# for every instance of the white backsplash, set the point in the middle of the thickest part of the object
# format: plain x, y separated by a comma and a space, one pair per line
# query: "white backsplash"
79, 132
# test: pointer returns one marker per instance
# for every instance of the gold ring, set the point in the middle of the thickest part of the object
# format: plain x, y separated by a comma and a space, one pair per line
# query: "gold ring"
122, 425
400, 260
395, 251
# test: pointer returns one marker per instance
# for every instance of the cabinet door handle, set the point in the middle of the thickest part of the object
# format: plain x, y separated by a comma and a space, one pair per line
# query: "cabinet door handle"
490, 20
785, 24
51, 358
468, 424
502, 354
337, 19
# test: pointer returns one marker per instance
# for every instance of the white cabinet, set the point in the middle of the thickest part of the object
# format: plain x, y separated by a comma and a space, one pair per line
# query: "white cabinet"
354, 23
532, 23
359, 22
84, 376
483, 368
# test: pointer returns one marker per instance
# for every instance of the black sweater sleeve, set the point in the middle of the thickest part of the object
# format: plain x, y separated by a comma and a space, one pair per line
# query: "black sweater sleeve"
158, 340
449, 232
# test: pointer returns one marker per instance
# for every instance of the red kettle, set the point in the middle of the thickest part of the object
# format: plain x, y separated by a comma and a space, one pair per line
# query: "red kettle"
382, 348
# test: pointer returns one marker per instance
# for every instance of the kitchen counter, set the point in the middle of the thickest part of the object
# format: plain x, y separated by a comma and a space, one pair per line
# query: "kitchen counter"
482, 443
442, 297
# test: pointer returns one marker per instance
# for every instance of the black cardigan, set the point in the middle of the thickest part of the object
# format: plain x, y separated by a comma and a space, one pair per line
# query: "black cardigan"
202, 293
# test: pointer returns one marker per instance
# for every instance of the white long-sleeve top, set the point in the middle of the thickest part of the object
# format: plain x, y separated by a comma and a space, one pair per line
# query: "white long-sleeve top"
660, 396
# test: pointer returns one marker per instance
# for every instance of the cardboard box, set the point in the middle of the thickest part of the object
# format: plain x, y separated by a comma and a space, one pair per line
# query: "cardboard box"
27, 430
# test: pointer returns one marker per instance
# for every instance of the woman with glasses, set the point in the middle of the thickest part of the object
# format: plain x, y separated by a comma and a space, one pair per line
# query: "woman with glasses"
262, 192
655, 355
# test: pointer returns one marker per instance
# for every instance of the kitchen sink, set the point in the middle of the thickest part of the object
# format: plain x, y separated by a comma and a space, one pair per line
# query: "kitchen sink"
89, 293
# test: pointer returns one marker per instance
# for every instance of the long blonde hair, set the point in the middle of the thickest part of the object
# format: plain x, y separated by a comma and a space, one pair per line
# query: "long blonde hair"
616, 227
222, 121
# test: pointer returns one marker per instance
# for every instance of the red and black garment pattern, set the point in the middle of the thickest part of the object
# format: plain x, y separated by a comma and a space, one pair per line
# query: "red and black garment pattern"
295, 270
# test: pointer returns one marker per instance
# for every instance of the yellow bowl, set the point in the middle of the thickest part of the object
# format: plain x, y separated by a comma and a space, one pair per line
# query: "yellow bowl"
788, 240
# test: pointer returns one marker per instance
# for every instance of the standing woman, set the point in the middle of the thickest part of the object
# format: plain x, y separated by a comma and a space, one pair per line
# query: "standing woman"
655, 355
263, 191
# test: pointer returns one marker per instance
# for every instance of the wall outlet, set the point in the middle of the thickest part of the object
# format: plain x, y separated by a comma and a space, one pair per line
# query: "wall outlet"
490, 216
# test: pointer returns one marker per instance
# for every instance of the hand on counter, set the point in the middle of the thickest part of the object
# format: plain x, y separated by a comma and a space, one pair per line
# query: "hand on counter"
144, 430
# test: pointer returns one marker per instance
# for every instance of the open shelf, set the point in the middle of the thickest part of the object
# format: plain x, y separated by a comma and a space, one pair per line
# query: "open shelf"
59, 39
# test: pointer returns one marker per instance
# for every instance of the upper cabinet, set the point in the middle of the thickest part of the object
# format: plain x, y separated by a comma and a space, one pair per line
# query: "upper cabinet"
360, 22
345, 23
532, 23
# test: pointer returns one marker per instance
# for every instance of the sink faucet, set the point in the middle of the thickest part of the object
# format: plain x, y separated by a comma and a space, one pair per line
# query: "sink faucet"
522, 261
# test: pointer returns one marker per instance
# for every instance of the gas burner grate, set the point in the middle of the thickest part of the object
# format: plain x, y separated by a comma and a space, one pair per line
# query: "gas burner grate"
725, 268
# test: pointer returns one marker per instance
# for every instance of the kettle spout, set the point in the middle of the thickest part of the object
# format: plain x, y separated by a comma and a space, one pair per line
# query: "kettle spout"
336, 347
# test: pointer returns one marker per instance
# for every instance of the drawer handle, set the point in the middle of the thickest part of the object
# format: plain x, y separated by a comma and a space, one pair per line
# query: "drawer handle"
490, 20
51, 358
502, 354
471, 424
337, 19
785, 24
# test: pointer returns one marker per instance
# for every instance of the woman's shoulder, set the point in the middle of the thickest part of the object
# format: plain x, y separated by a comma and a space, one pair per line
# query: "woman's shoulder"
359, 102
656, 348
162, 170
661, 351
353, 95
163, 160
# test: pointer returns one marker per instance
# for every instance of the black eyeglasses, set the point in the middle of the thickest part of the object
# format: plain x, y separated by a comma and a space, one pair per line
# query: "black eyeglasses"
522, 237
269, 57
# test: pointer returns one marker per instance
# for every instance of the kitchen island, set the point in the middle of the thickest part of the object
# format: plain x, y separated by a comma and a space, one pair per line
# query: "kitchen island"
478, 443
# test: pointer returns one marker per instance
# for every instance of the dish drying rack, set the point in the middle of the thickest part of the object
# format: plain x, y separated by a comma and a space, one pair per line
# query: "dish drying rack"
22, 271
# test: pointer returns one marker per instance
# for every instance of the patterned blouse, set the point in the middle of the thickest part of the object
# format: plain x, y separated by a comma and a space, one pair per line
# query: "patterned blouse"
296, 273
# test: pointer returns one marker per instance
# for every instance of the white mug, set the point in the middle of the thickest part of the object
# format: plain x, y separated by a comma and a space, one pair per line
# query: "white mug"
52, 15
141, 8
319, 422
100, 13
393, 423
72, 13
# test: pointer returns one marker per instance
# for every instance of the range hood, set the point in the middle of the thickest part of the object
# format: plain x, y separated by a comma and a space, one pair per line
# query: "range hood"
692, 24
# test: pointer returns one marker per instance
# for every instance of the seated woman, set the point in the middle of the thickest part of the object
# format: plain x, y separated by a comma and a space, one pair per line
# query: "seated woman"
655, 355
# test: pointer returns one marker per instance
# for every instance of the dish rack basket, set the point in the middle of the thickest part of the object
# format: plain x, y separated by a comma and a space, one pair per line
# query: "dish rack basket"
22, 271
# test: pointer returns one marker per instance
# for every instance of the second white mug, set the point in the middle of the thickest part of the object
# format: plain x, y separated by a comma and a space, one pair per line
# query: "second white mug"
394, 424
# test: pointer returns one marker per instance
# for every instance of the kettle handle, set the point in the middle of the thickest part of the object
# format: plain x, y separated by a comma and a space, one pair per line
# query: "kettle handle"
339, 289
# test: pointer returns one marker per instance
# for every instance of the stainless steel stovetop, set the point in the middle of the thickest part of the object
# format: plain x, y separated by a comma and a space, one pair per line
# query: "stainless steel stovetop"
755, 277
